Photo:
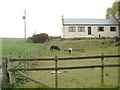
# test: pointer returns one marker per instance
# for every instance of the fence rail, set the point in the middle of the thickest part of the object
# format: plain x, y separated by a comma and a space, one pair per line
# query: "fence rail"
62, 68
66, 58
29, 77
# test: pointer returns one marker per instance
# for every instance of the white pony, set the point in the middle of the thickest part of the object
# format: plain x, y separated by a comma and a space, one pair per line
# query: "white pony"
70, 50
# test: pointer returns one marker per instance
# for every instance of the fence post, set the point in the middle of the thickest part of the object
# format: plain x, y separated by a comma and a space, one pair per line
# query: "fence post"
32, 62
56, 74
102, 69
28, 65
11, 73
19, 61
4, 71
25, 62
119, 69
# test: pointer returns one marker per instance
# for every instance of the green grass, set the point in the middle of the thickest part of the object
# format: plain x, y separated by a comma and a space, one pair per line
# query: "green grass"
18, 47
89, 46
104, 86
81, 78
34, 86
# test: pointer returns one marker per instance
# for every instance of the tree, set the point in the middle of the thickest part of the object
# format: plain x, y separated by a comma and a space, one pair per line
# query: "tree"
113, 11
108, 15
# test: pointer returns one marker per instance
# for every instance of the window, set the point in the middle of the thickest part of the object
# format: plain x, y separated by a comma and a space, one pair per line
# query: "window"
72, 29
100, 28
112, 28
81, 29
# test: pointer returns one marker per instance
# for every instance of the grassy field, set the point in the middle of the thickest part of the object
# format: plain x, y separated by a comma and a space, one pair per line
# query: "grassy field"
78, 78
81, 78
89, 46
18, 47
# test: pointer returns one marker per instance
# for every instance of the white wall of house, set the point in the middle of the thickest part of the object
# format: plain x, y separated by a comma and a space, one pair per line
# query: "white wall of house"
94, 32
106, 32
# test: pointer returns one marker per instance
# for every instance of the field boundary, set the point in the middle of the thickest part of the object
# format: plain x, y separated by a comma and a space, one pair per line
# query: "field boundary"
11, 69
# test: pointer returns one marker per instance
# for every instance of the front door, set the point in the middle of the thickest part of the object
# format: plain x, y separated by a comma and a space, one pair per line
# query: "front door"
89, 30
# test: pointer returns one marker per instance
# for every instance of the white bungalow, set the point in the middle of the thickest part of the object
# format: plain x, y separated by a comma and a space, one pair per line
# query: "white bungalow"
77, 28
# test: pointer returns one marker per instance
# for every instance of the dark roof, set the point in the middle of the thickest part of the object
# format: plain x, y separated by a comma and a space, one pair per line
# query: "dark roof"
89, 22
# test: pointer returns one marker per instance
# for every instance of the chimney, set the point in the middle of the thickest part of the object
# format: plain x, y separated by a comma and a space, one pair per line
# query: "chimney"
62, 20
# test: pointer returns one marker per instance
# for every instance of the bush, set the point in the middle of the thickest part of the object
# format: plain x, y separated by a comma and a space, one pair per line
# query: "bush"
29, 39
55, 37
9, 86
62, 39
117, 39
20, 80
39, 38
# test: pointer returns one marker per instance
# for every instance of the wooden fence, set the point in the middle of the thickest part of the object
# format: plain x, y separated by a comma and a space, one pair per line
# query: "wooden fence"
0, 74
11, 69
0, 66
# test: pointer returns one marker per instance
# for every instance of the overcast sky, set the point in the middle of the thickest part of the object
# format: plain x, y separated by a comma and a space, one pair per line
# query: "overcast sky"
44, 16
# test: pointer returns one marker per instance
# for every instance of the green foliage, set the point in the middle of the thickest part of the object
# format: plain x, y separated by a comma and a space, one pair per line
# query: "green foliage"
108, 12
9, 85
55, 37
117, 39
62, 39
40, 38
20, 80
113, 10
